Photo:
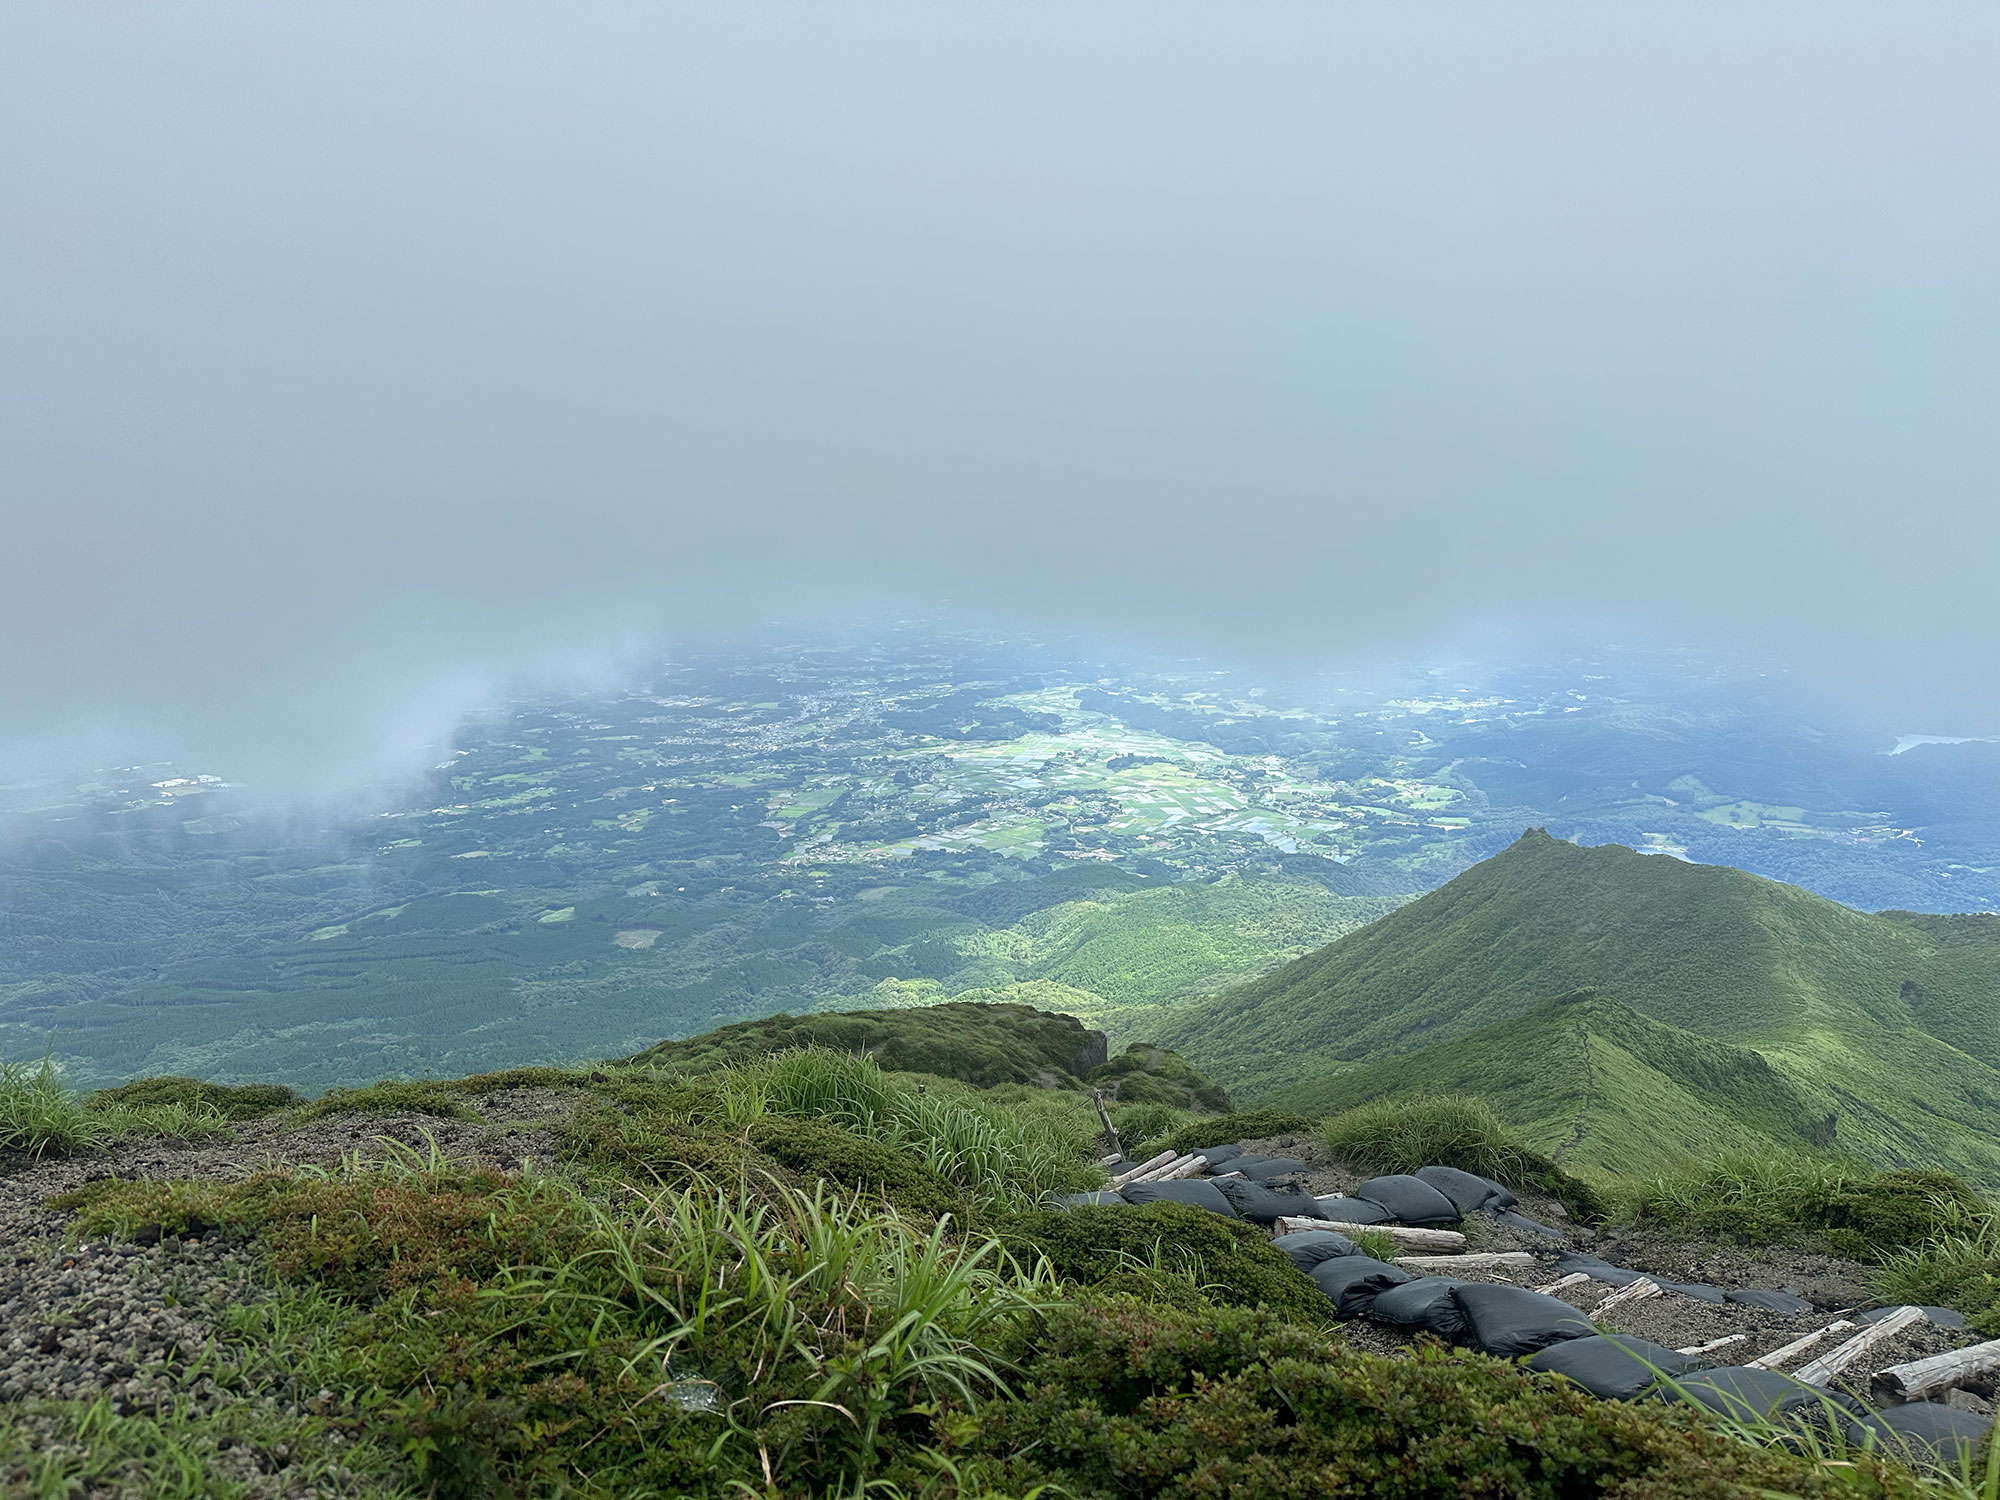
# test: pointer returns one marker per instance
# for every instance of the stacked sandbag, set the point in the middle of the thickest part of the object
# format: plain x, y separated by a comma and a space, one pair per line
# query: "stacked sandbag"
1196, 1192
1102, 1198
1410, 1200
1468, 1191
1612, 1366
1742, 1393
1309, 1248
1352, 1282
1923, 1432
1265, 1205
1511, 1320
1263, 1168
1424, 1305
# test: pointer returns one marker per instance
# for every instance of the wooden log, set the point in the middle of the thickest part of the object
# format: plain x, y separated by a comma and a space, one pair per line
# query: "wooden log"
1922, 1379
1412, 1239
1714, 1344
1786, 1353
1133, 1174
1575, 1278
1485, 1260
1837, 1359
1633, 1291
1187, 1168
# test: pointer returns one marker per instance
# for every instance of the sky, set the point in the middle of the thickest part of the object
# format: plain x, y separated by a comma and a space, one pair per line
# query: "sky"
354, 356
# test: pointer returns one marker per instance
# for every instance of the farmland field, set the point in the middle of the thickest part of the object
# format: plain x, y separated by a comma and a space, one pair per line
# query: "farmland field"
802, 825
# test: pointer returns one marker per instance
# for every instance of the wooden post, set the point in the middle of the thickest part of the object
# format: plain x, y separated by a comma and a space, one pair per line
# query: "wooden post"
1187, 1168
1921, 1379
1835, 1360
1486, 1260
1110, 1130
1786, 1353
1161, 1174
1133, 1174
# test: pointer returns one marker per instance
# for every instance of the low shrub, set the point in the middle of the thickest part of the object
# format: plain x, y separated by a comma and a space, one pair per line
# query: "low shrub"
1145, 1074
234, 1102
1877, 1216
1450, 1130
392, 1096
1763, 1197
1231, 1262
1119, 1398
813, 1151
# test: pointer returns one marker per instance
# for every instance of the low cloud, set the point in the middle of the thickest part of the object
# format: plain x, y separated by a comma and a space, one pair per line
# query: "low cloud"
361, 359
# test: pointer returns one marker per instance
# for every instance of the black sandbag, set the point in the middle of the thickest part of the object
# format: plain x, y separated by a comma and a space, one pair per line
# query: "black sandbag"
1190, 1190
1924, 1431
1701, 1291
1522, 1222
1425, 1303
1783, 1302
1468, 1191
1943, 1317
1353, 1282
1262, 1205
1103, 1198
1742, 1393
1355, 1211
1510, 1320
1306, 1248
1598, 1270
1217, 1155
1277, 1166
1410, 1199
1612, 1366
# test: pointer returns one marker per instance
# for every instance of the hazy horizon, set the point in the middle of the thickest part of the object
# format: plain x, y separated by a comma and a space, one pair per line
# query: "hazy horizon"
360, 359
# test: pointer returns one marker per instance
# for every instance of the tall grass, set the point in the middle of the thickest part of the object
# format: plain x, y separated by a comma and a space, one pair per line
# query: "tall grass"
42, 1116
39, 1115
1401, 1135
1142, 1128
886, 1315
1958, 1267
1002, 1158
1749, 1194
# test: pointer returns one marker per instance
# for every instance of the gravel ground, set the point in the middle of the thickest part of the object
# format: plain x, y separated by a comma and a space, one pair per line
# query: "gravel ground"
136, 1324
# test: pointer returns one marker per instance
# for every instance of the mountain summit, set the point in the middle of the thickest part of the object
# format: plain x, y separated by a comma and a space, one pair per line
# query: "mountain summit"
1880, 1031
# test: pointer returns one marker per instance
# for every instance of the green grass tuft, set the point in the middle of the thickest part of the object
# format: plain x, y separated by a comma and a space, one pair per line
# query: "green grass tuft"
234, 1102
1452, 1130
1143, 1127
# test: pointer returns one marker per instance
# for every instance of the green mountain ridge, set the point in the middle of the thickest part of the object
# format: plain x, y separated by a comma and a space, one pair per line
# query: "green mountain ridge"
1887, 1023
1591, 1082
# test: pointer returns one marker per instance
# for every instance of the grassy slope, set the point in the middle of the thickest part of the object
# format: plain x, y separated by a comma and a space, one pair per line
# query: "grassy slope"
1817, 988
979, 1044
984, 1044
1590, 1081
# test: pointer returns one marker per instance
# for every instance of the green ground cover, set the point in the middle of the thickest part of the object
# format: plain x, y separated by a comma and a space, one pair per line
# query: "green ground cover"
796, 1275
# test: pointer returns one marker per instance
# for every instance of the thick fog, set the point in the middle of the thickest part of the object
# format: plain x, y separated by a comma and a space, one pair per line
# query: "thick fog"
353, 355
